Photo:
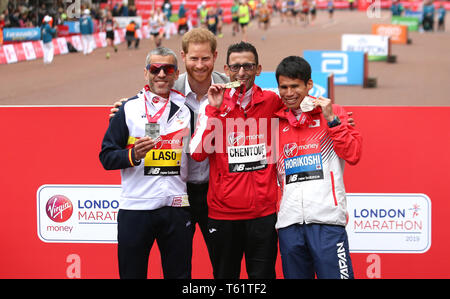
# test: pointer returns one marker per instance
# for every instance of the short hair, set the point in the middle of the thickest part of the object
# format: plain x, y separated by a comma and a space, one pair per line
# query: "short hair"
294, 67
198, 36
242, 47
161, 51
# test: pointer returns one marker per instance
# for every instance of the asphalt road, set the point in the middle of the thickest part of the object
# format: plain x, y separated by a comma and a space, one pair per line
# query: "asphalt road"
419, 78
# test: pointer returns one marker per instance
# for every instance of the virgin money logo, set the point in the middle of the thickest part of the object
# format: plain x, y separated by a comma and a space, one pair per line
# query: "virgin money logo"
236, 139
59, 208
290, 150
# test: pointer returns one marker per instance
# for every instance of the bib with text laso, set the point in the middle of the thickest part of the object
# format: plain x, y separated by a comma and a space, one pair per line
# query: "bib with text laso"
302, 161
165, 157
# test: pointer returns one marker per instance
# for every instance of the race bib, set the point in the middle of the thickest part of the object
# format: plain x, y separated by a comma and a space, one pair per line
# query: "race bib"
165, 158
303, 162
247, 157
162, 162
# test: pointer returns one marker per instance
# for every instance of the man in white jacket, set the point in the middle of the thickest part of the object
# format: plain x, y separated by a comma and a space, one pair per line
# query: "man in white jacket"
154, 202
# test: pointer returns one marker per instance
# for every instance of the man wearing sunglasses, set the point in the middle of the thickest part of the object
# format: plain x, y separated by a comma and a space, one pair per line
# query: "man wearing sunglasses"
235, 132
145, 141
199, 55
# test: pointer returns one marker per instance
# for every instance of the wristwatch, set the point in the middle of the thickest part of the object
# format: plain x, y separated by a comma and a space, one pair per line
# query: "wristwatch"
335, 122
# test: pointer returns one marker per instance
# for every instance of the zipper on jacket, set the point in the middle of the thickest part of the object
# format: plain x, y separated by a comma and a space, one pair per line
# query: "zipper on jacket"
332, 187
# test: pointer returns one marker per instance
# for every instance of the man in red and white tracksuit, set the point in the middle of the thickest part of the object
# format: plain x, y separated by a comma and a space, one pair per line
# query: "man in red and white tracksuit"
236, 134
313, 148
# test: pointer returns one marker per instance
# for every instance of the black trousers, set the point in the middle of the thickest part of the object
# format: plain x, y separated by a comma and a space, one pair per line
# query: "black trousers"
138, 229
256, 239
199, 208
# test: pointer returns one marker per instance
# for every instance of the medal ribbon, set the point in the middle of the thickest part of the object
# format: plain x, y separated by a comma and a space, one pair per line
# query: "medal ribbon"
154, 118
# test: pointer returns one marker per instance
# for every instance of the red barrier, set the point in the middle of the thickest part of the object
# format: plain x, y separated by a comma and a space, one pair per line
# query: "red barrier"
404, 152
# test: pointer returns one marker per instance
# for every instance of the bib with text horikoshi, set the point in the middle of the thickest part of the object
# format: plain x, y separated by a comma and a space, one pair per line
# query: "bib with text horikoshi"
302, 161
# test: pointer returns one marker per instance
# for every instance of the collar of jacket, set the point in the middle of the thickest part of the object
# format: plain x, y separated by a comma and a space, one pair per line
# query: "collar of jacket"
305, 118
176, 99
230, 101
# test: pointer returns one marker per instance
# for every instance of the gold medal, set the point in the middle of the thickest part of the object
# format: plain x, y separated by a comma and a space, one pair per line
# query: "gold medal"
234, 84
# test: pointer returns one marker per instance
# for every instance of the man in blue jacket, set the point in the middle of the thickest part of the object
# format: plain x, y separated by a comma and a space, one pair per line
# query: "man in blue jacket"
47, 36
86, 30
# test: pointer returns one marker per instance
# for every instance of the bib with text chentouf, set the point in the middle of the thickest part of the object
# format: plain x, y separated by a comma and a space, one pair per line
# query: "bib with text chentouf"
165, 158
302, 161
244, 155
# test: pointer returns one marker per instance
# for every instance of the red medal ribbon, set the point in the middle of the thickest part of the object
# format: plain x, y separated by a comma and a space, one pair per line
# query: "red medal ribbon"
154, 118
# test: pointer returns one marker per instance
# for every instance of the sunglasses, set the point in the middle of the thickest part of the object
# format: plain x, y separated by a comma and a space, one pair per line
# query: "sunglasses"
155, 68
247, 67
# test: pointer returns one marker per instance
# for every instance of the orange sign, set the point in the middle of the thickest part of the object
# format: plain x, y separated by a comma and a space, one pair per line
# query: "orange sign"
398, 33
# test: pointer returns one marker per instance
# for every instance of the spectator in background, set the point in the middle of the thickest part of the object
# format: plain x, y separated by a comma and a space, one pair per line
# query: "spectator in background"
47, 36
2, 21
244, 18
130, 35
441, 18
14, 18
109, 25
62, 16
219, 13
428, 16
182, 19
351, 2
115, 11
156, 23
396, 8
132, 11
167, 10
124, 10
305, 12
235, 17
41, 12
202, 12
264, 18
212, 20
330, 7
313, 11
86, 30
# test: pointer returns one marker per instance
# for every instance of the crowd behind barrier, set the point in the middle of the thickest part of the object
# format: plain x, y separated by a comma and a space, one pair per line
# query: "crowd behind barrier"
367, 234
19, 15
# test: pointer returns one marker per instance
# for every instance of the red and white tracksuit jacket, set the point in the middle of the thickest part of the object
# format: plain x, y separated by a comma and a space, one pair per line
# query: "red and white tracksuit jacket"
311, 167
238, 143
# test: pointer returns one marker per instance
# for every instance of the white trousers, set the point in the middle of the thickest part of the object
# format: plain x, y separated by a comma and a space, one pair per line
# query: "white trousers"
48, 52
88, 43
168, 29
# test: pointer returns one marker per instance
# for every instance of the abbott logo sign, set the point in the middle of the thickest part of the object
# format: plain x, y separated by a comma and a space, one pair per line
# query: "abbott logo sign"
336, 63
347, 67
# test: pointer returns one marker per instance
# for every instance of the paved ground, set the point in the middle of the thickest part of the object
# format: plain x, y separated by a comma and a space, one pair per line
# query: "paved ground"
419, 78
